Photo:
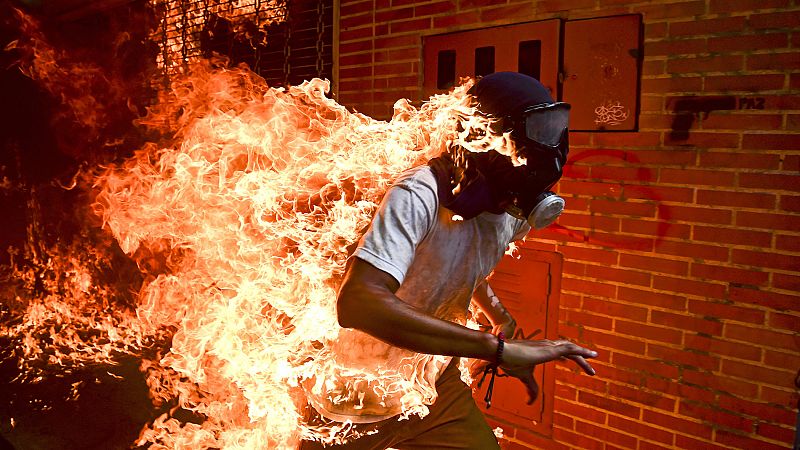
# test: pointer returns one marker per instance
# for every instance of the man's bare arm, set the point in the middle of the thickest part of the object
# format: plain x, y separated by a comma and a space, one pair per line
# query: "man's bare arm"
489, 304
367, 302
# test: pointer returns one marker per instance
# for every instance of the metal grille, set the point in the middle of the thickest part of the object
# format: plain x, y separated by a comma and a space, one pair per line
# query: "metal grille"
284, 41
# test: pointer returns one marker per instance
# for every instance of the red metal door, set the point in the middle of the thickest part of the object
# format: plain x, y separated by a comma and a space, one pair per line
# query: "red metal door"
530, 48
529, 288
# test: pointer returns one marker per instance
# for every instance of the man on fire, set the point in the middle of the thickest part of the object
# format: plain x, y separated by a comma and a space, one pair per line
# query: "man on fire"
439, 232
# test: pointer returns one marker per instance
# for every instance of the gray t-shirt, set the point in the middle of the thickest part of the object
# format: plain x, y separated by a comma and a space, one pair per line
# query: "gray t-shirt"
438, 262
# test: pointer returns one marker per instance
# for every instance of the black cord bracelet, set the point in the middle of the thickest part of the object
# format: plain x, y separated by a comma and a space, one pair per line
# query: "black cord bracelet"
492, 368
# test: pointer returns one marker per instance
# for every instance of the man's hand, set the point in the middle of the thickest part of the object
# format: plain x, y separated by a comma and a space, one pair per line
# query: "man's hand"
521, 356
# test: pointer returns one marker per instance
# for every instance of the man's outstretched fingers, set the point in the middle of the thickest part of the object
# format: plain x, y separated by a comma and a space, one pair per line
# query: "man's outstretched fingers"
580, 361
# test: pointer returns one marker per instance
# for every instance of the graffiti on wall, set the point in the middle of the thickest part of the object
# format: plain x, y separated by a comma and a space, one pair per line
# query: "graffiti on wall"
690, 108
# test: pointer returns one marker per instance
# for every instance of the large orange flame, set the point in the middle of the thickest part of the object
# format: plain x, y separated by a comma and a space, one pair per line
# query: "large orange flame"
241, 225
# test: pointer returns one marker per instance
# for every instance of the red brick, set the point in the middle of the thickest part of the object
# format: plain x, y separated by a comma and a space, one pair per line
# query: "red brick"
729, 121
775, 432
355, 72
518, 11
758, 410
642, 430
706, 27
654, 264
682, 9
680, 425
764, 259
649, 366
620, 241
590, 222
739, 160
672, 84
774, 61
700, 215
727, 385
790, 203
619, 275
428, 9
454, 20
582, 411
589, 320
600, 256
730, 274
638, 139
682, 441
771, 141
352, 35
613, 309
686, 322
778, 396
766, 181
782, 19
355, 47
753, 219
704, 64
726, 311
354, 21
423, 23
659, 229
683, 358
624, 173
548, 6
739, 441
730, 6
397, 41
788, 243
577, 440
750, 83
765, 298
613, 341
591, 189
691, 250
357, 59
732, 198
608, 404
792, 162
724, 44
649, 332
658, 193
781, 359
724, 347
624, 208
693, 287
785, 281
760, 336
354, 7
605, 434
650, 298
594, 288
649, 69
697, 177
732, 236
653, 30
715, 416
788, 322
673, 47
706, 140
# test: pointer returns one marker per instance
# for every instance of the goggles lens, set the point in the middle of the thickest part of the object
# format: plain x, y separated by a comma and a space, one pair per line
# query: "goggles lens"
547, 123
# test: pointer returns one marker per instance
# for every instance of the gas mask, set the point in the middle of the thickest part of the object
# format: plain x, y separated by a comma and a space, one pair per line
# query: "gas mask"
470, 183
541, 135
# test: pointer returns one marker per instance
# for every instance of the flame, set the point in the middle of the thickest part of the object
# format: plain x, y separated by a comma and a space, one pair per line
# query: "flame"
240, 225
256, 206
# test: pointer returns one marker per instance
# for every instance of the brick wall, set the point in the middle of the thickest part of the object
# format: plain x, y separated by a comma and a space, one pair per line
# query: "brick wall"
681, 246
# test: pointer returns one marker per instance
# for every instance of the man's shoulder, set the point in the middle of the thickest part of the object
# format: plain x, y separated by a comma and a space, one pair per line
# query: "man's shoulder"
416, 178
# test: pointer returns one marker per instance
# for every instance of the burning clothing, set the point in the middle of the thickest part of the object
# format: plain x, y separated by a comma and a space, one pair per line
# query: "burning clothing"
438, 262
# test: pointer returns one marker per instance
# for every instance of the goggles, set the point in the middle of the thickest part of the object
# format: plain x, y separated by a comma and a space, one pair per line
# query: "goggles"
545, 124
